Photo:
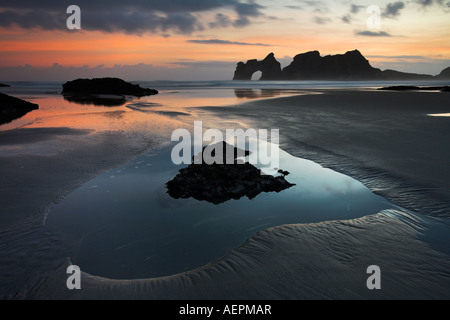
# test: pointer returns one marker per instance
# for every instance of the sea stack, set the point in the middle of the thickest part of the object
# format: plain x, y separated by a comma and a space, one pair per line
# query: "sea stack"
349, 66
352, 66
269, 67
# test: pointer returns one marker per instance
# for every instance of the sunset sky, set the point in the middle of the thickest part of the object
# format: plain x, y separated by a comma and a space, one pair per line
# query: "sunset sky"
204, 39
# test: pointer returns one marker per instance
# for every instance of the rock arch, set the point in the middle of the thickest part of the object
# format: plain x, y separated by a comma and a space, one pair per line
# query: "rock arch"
269, 67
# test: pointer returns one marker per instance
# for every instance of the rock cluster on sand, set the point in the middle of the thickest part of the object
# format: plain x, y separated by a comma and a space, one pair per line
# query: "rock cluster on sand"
112, 86
218, 183
12, 108
312, 66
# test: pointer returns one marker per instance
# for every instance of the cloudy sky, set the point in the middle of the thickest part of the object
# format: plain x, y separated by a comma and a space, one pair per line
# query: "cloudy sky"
204, 39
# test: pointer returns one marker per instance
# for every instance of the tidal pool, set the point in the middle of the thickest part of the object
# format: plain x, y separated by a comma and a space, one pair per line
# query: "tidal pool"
124, 225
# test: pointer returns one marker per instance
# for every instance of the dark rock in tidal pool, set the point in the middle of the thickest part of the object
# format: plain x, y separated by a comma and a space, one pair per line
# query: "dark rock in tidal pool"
12, 108
226, 154
105, 86
218, 183
2, 85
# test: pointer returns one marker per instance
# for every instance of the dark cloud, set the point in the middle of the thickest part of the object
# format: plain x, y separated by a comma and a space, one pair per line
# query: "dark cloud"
321, 20
294, 7
428, 3
250, 9
393, 9
134, 16
139, 22
355, 8
35, 19
245, 11
221, 21
311, 3
315, 6
425, 3
170, 6
372, 34
346, 18
218, 41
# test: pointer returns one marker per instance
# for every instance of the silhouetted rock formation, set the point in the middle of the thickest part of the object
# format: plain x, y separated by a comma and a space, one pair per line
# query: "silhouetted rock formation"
349, 66
312, 66
12, 108
112, 86
218, 183
397, 75
2, 85
445, 74
269, 67
229, 158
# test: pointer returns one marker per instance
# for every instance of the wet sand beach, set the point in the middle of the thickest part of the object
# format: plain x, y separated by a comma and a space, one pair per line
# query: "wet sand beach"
383, 139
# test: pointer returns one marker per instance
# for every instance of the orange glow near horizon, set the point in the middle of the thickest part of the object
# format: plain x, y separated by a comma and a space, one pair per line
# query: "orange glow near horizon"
44, 48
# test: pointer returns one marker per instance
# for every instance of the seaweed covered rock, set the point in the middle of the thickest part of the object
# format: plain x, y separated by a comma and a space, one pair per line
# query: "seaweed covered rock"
218, 183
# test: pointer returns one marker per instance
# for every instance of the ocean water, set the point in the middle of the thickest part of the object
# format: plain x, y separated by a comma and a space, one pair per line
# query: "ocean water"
175, 99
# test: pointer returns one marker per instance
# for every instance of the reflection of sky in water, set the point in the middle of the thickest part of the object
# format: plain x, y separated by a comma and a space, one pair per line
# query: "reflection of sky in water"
54, 111
440, 115
138, 114
122, 224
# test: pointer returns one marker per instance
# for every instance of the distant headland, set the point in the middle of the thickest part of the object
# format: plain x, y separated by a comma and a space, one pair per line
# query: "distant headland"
312, 66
